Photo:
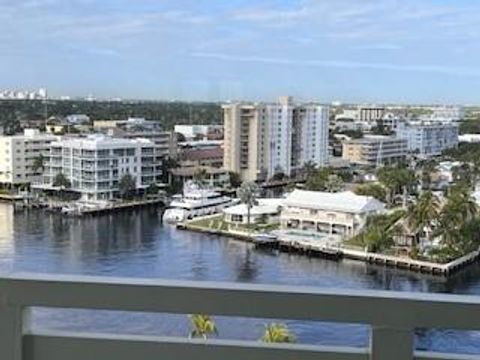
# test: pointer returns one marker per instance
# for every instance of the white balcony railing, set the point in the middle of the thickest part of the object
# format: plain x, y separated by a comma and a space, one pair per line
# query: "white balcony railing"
392, 317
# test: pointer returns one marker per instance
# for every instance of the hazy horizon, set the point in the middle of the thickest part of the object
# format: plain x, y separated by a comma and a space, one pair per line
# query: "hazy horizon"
351, 51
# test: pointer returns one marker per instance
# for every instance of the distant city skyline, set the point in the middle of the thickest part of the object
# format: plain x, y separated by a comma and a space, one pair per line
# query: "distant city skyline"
347, 50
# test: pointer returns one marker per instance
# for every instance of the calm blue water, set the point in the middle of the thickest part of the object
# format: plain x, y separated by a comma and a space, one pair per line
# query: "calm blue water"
136, 244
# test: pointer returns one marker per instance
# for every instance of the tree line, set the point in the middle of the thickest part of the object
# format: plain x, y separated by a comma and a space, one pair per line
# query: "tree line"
169, 113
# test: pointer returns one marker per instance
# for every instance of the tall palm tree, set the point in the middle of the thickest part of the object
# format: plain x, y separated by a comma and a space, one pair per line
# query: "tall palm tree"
278, 333
387, 179
202, 326
405, 178
247, 194
421, 216
38, 163
459, 209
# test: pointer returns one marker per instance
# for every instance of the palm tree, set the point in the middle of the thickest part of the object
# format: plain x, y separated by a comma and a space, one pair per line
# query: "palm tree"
277, 333
424, 213
387, 179
428, 167
459, 209
38, 163
405, 178
248, 196
202, 326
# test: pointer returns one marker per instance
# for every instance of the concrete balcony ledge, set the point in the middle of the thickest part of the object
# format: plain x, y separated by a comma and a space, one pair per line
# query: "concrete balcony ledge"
392, 316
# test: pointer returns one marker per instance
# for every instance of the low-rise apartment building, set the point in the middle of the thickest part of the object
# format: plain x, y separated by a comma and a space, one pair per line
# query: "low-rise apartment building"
375, 150
18, 154
94, 165
429, 138
342, 214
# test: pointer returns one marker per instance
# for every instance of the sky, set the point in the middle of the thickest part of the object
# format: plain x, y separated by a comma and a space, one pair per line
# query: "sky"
420, 51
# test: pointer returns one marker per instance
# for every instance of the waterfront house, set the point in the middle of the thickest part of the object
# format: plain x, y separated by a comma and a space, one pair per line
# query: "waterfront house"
342, 214
267, 211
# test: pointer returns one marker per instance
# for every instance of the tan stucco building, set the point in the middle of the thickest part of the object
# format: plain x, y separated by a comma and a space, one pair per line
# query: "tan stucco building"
375, 150
343, 214
263, 139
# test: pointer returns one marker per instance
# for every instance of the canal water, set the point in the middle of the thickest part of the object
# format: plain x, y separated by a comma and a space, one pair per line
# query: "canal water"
136, 244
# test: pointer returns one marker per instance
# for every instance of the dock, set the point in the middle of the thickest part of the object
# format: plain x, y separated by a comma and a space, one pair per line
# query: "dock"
333, 249
92, 209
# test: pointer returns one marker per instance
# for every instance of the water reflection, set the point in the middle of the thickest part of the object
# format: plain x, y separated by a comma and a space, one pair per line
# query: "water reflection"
136, 244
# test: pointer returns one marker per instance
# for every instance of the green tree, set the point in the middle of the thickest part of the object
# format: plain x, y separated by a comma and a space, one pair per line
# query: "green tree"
374, 190
202, 326
427, 169
235, 179
334, 184
462, 174
247, 194
308, 168
152, 189
61, 181
317, 180
38, 163
278, 333
459, 209
397, 179
127, 186
424, 213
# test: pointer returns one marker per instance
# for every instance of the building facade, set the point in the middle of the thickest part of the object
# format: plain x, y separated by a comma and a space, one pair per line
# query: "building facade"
370, 113
18, 155
95, 165
340, 214
195, 132
262, 139
429, 138
375, 150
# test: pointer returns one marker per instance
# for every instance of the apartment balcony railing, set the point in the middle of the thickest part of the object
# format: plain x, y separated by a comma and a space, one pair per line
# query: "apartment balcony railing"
392, 317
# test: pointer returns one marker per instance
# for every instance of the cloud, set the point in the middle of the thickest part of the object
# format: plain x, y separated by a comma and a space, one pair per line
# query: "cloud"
378, 46
341, 64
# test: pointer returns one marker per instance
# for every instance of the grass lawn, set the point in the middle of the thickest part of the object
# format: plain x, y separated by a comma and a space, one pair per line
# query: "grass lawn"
217, 223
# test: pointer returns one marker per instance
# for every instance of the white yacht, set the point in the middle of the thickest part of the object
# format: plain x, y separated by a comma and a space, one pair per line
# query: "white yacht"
195, 201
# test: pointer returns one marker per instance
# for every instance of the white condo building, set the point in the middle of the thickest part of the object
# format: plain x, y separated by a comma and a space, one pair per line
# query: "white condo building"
18, 154
94, 165
263, 139
429, 138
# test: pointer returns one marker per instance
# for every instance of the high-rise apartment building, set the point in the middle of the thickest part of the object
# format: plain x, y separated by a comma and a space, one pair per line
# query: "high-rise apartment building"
263, 139
18, 154
95, 165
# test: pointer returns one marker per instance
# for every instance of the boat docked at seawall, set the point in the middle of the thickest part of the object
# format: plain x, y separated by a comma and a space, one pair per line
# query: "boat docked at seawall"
195, 201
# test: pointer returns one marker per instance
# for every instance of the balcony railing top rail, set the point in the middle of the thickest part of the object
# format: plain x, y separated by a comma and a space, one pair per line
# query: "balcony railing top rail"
393, 317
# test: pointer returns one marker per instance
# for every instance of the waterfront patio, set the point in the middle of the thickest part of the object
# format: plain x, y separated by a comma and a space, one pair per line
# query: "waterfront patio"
392, 317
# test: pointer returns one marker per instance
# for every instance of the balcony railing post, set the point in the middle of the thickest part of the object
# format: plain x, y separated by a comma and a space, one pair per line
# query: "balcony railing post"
11, 330
391, 343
